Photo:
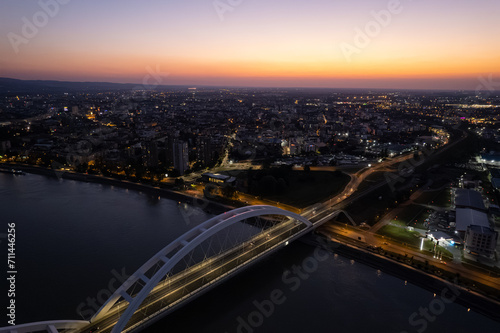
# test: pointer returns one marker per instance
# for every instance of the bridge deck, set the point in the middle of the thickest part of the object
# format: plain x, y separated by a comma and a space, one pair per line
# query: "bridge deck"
188, 284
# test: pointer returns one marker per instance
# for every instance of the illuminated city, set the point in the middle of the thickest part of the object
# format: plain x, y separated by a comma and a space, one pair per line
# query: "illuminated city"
236, 166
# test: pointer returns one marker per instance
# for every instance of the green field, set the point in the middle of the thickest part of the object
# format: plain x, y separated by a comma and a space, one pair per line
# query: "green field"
400, 234
445, 252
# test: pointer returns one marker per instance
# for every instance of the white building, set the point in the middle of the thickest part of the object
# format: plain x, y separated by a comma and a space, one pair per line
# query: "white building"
441, 237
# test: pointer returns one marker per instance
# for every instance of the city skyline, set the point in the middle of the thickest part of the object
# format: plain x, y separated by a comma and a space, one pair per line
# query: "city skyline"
358, 44
250, 166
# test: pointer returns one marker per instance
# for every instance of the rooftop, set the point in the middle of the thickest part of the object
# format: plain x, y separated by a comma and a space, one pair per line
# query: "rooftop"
467, 217
469, 198
216, 176
481, 229
440, 234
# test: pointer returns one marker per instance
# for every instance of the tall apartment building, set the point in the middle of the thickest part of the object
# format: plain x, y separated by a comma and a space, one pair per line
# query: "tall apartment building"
180, 156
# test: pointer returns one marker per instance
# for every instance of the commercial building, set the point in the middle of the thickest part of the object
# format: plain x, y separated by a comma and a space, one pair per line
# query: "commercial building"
441, 237
466, 217
473, 225
480, 240
217, 178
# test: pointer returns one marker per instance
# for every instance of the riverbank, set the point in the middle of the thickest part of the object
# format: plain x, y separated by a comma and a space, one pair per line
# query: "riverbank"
209, 206
433, 283
470, 299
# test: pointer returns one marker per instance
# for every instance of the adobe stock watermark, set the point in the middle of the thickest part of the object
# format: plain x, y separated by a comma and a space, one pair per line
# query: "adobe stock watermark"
78, 153
31, 27
487, 85
152, 80
92, 304
407, 168
292, 280
420, 320
224, 6
364, 36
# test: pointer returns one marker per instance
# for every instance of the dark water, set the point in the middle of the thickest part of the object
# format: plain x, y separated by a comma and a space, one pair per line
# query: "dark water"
73, 238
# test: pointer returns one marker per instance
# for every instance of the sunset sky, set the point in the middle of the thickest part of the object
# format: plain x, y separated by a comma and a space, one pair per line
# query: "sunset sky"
428, 44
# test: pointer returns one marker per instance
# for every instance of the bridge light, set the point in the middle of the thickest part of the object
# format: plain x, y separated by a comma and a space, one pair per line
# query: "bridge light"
286, 243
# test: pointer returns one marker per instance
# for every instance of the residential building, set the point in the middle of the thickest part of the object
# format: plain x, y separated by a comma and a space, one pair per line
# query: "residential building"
180, 156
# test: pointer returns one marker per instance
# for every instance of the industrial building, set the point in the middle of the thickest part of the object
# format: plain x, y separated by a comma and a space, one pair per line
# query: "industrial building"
469, 199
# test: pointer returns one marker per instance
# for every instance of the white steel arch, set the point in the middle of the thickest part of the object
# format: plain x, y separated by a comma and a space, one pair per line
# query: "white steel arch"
187, 242
47, 326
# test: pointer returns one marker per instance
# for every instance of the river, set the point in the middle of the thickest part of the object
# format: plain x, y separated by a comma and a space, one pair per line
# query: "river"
75, 241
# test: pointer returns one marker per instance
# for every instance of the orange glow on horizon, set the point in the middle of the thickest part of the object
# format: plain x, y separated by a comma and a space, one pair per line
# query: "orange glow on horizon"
134, 70
257, 43
191, 70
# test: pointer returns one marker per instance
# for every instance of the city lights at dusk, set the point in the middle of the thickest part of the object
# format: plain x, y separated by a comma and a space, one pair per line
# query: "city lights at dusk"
250, 166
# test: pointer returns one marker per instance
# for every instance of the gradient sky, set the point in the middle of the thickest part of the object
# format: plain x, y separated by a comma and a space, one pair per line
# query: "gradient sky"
431, 44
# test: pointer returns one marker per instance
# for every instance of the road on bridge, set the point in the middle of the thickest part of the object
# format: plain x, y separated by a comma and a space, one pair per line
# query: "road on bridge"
175, 289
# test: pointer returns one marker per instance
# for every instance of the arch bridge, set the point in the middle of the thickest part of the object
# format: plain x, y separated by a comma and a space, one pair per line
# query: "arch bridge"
189, 266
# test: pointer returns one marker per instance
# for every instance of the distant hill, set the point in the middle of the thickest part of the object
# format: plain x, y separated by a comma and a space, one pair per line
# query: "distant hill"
38, 86
15, 86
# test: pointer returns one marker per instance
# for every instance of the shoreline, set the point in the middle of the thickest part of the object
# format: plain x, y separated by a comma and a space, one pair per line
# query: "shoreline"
211, 206
469, 299
481, 304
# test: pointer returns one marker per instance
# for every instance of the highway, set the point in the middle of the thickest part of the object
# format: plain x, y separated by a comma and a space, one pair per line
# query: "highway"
349, 193
387, 244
